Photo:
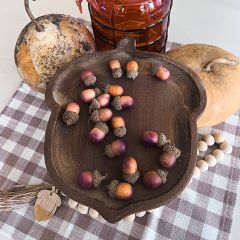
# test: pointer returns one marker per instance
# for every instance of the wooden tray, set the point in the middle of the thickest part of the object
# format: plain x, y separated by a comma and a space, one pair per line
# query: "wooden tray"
171, 107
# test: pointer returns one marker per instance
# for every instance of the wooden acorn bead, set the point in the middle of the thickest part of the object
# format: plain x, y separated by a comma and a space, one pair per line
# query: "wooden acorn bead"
102, 115
120, 190
160, 72
154, 178
169, 156
115, 66
89, 94
71, 114
99, 132
132, 70
91, 179
114, 90
123, 102
130, 172
104, 100
118, 125
88, 78
115, 149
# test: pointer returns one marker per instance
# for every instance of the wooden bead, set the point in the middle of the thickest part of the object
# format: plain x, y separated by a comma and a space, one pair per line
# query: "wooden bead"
82, 209
211, 160
202, 146
93, 213
209, 139
141, 214
202, 165
197, 151
130, 218
218, 154
196, 172
72, 204
226, 148
219, 138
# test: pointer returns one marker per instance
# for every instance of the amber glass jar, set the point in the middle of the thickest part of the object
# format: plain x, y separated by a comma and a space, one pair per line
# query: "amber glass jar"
146, 21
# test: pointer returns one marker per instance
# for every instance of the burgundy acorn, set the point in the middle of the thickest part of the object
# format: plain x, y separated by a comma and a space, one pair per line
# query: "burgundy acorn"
101, 101
88, 78
154, 178
130, 172
71, 114
99, 132
91, 179
169, 156
150, 138
120, 190
115, 66
115, 149
89, 94
102, 115
160, 72
123, 102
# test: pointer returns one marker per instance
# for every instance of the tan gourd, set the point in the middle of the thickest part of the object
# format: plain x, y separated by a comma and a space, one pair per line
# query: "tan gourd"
219, 71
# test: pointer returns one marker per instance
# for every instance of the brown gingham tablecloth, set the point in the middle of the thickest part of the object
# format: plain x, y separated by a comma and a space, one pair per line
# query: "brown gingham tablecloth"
203, 211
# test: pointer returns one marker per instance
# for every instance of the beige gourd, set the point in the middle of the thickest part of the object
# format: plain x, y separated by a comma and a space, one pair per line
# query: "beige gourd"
219, 71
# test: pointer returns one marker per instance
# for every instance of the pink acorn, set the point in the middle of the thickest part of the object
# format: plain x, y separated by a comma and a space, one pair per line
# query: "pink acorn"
71, 114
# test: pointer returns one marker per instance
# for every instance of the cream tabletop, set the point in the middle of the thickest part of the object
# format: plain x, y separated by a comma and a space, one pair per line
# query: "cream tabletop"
213, 22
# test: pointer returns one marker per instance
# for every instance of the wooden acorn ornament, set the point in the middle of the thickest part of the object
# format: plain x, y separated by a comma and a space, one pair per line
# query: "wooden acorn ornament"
122, 103
71, 114
46, 205
115, 66
130, 171
46, 44
120, 190
118, 125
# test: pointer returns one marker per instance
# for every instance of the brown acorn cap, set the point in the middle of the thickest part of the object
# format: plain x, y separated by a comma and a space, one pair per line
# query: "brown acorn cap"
116, 103
120, 132
106, 88
117, 73
132, 74
95, 116
162, 140
103, 127
112, 188
97, 91
70, 118
98, 178
163, 174
94, 105
108, 151
131, 178
170, 148
90, 81
155, 67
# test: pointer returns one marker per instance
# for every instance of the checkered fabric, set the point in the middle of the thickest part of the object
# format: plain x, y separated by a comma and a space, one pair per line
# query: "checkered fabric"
203, 211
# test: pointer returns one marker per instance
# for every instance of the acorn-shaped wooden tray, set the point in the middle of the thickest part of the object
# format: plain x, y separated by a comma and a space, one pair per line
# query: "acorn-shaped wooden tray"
171, 107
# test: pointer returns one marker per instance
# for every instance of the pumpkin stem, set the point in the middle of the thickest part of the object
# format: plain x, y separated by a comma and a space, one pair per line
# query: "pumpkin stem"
39, 27
233, 62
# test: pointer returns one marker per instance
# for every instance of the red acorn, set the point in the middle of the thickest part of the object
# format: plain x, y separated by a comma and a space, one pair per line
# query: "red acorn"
123, 102
154, 178
115, 149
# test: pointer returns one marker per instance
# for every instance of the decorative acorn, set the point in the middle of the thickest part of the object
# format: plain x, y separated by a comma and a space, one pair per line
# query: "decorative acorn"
71, 115
123, 102
154, 178
120, 190
129, 170
102, 115
115, 149
99, 132
160, 72
114, 90
91, 179
104, 99
118, 125
162, 140
132, 69
88, 78
115, 66
150, 138
169, 156
95, 105
89, 94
